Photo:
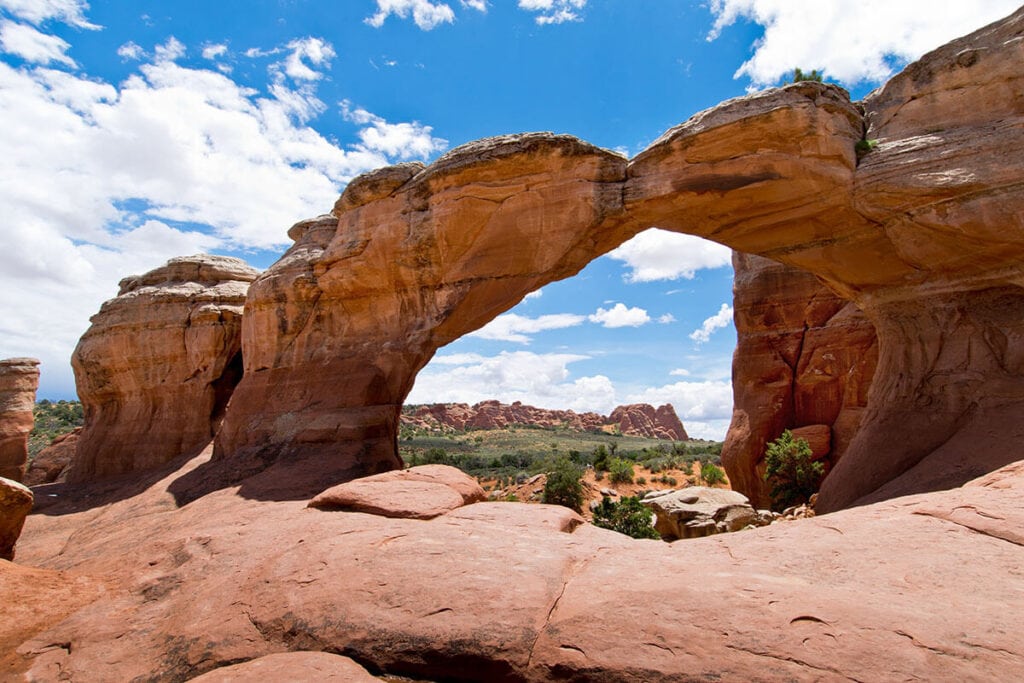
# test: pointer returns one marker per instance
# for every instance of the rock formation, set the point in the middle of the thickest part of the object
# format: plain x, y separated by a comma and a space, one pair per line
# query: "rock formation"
50, 464
156, 368
804, 356
698, 511
510, 591
907, 205
633, 420
19, 379
15, 504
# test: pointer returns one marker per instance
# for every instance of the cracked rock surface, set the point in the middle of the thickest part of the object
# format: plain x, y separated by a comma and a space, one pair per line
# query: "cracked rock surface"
140, 587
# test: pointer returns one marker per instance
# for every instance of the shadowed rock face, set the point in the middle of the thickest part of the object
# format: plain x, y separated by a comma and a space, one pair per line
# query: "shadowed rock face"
155, 369
19, 379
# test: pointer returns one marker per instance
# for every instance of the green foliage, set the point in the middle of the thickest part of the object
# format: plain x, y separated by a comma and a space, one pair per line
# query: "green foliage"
791, 471
711, 474
628, 516
52, 419
864, 146
601, 458
563, 486
813, 75
620, 471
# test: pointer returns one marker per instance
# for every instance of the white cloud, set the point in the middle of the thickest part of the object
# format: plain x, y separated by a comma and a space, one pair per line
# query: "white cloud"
680, 372
315, 51
705, 408
716, 322
170, 51
666, 319
32, 46
541, 380
661, 255
478, 5
554, 11
426, 14
131, 50
71, 12
214, 50
620, 316
103, 180
406, 140
515, 328
852, 42
536, 294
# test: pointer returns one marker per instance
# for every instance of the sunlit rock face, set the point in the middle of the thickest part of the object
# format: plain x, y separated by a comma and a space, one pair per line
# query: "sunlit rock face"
907, 205
19, 379
156, 369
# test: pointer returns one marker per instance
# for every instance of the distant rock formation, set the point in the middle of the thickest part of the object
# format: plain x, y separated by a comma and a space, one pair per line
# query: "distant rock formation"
632, 420
19, 379
156, 368
48, 465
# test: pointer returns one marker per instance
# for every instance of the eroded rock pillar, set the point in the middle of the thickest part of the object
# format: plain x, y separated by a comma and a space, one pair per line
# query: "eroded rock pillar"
19, 379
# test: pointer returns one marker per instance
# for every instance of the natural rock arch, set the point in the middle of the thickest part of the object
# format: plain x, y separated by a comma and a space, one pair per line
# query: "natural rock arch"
922, 233
907, 204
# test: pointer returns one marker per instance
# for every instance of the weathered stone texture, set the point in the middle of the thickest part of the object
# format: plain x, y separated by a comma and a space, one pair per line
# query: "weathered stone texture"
19, 379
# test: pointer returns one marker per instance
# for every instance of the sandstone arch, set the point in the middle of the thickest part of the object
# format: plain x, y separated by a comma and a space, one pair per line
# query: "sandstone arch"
922, 233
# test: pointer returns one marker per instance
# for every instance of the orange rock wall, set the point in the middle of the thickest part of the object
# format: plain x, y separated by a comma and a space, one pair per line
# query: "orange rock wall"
19, 379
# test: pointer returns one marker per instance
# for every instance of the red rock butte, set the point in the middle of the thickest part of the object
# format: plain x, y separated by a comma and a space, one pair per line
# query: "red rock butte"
898, 335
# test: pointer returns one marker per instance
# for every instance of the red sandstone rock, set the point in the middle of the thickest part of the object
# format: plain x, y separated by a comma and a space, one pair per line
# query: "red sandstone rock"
19, 379
291, 666
157, 366
50, 463
818, 437
501, 591
633, 420
803, 356
422, 492
15, 503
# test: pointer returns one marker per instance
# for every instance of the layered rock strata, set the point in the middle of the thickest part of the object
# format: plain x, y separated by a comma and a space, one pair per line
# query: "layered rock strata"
638, 419
19, 379
15, 504
157, 366
804, 356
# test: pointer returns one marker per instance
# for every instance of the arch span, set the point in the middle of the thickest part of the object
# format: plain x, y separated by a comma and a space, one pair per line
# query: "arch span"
923, 233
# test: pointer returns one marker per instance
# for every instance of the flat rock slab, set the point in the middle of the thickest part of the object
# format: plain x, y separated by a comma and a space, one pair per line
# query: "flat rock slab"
404, 499
291, 666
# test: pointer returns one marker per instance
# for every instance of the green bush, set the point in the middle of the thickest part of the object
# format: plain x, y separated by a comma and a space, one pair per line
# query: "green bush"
601, 458
628, 516
620, 471
801, 75
793, 474
711, 474
563, 486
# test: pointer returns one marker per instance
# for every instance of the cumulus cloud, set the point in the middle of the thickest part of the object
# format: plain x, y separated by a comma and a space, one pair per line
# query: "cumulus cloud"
32, 46
542, 380
103, 180
705, 408
620, 316
131, 51
536, 294
426, 14
852, 42
214, 50
666, 319
71, 12
404, 140
303, 53
516, 328
716, 322
662, 255
478, 5
554, 11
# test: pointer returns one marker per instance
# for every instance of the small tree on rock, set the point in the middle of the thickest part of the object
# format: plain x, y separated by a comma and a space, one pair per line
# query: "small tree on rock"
792, 471
628, 516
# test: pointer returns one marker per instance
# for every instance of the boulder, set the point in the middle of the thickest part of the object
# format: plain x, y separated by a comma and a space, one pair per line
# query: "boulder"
157, 366
422, 492
291, 666
15, 504
49, 464
700, 511
19, 379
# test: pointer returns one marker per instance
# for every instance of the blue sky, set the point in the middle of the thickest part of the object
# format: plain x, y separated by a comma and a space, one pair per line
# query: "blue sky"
135, 130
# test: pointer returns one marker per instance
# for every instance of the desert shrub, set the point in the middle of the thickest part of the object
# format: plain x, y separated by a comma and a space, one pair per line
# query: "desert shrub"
793, 474
812, 75
642, 481
711, 474
628, 516
601, 458
563, 486
598, 475
620, 471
